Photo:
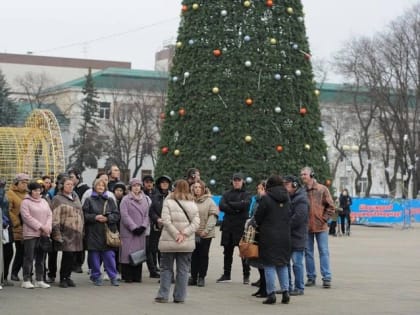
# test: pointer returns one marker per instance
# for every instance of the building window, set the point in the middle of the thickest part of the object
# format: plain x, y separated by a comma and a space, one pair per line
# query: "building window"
104, 110
363, 185
146, 172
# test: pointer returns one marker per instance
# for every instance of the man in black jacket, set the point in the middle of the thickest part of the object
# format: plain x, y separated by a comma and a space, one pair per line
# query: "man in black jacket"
299, 209
235, 205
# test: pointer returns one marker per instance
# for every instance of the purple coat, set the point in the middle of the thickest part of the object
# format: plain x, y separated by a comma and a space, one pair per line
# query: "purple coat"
134, 212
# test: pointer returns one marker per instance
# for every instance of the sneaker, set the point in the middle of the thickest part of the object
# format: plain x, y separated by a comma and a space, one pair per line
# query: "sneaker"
1, 288
27, 285
161, 300
115, 282
224, 279
50, 280
119, 276
192, 281
201, 282
326, 284
14, 278
105, 277
70, 283
41, 284
246, 280
63, 284
310, 283
296, 292
98, 282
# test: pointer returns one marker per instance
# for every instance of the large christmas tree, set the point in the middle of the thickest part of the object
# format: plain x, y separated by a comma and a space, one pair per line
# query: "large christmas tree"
241, 96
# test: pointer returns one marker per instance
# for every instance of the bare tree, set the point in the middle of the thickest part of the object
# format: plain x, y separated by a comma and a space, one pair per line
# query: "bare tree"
33, 86
386, 70
134, 127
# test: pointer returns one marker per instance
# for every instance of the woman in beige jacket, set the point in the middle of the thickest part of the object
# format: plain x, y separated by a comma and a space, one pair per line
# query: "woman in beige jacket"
180, 221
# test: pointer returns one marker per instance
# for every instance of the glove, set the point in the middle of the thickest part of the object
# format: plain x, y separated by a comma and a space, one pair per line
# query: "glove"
58, 245
139, 231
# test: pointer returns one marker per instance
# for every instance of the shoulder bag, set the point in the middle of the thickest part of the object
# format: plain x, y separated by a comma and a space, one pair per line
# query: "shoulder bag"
112, 238
248, 247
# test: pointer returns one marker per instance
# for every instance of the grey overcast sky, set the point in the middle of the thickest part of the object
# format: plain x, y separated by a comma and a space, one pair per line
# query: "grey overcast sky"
133, 30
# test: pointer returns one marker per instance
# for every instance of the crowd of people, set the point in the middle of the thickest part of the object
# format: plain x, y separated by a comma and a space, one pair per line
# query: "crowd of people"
174, 222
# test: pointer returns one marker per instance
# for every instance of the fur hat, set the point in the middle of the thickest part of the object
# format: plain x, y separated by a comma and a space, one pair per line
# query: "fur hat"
21, 176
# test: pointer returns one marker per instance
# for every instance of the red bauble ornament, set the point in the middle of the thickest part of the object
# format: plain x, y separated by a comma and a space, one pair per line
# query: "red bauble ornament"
279, 148
184, 8
181, 111
165, 150
302, 111
217, 52
328, 183
162, 116
249, 101
269, 3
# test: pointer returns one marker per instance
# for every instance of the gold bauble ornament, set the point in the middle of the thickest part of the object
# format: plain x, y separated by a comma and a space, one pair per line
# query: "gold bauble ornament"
247, 4
290, 10
195, 6
178, 44
215, 90
307, 147
248, 138
273, 41
317, 92
177, 152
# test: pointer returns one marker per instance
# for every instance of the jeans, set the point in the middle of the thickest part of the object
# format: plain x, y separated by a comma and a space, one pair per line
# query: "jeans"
270, 278
324, 255
298, 272
183, 262
31, 251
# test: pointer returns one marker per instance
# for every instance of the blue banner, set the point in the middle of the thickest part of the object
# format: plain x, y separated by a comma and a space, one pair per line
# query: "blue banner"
376, 211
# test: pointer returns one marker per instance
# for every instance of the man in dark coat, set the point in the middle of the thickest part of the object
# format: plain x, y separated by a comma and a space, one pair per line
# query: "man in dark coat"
272, 217
299, 209
163, 184
235, 205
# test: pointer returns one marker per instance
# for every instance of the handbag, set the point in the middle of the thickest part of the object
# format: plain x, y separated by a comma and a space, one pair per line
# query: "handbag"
45, 243
138, 257
112, 238
248, 246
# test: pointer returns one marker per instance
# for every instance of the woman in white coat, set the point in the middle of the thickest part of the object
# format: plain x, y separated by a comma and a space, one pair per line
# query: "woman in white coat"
177, 242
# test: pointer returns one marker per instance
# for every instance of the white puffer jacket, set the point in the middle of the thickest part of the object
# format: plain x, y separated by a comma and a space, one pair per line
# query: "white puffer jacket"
175, 221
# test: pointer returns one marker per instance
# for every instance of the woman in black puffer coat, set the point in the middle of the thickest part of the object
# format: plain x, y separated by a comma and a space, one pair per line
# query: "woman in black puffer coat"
272, 218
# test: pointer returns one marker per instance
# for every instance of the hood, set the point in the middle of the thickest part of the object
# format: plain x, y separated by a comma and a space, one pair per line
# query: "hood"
278, 193
202, 198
